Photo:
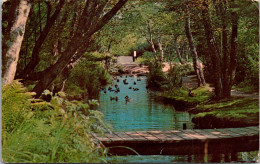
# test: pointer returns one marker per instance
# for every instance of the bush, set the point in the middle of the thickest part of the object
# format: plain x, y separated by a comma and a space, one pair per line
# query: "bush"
86, 79
49, 132
157, 79
176, 72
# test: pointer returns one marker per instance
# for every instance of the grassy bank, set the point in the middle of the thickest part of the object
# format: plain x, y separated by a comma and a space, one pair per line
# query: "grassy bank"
234, 112
181, 100
36, 131
209, 113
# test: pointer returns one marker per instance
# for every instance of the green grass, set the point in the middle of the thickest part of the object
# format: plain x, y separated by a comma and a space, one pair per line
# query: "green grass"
182, 94
234, 112
245, 88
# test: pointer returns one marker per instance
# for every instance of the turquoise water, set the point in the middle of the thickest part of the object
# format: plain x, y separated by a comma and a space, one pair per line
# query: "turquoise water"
142, 112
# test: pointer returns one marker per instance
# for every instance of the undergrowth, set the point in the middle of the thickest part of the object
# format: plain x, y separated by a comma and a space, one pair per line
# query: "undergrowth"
182, 94
35, 131
234, 112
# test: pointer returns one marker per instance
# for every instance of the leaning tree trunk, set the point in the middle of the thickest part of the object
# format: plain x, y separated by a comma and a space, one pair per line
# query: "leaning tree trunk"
213, 49
150, 41
80, 38
13, 40
35, 59
196, 65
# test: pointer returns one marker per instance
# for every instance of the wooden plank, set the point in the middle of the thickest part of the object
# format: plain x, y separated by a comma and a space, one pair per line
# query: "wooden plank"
113, 137
255, 128
104, 139
125, 137
251, 131
182, 135
232, 134
160, 135
172, 136
196, 134
243, 131
211, 134
148, 136
136, 136
239, 131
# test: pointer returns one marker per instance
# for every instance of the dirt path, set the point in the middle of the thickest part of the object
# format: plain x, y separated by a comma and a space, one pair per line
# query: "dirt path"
191, 82
131, 67
136, 68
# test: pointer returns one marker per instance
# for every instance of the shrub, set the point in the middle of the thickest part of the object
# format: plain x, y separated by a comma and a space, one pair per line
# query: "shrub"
156, 78
86, 79
49, 132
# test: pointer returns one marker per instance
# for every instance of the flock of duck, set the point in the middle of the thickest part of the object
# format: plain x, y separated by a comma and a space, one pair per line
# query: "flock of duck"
116, 89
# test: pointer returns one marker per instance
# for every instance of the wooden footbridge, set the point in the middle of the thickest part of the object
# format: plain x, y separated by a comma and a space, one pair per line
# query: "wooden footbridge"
178, 142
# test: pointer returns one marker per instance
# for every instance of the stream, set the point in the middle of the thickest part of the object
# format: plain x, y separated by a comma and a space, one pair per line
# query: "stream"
143, 112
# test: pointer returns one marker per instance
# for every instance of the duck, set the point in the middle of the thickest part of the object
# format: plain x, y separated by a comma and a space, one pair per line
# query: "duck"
117, 80
191, 94
127, 99
136, 89
138, 79
134, 83
105, 91
130, 88
116, 98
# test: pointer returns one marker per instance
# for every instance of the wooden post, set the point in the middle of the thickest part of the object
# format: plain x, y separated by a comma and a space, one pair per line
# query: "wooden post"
206, 151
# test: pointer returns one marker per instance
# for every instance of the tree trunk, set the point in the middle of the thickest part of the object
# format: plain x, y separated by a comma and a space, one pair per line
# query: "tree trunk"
161, 50
150, 41
81, 38
178, 51
13, 41
196, 65
233, 56
221, 11
213, 49
36, 50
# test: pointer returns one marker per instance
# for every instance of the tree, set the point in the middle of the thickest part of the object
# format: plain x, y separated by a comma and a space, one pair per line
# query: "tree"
90, 21
224, 73
196, 65
35, 59
19, 11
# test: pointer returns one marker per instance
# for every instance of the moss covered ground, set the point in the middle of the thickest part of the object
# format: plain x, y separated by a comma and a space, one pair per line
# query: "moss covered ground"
210, 113
234, 112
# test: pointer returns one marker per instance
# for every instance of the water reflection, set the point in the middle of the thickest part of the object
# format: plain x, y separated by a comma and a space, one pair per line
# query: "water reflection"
141, 112
252, 156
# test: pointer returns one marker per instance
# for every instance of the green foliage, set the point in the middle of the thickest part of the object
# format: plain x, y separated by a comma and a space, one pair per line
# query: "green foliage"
157, 79
146, 58
86, 79
182, 94
15, 106
176, 72
41, 132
